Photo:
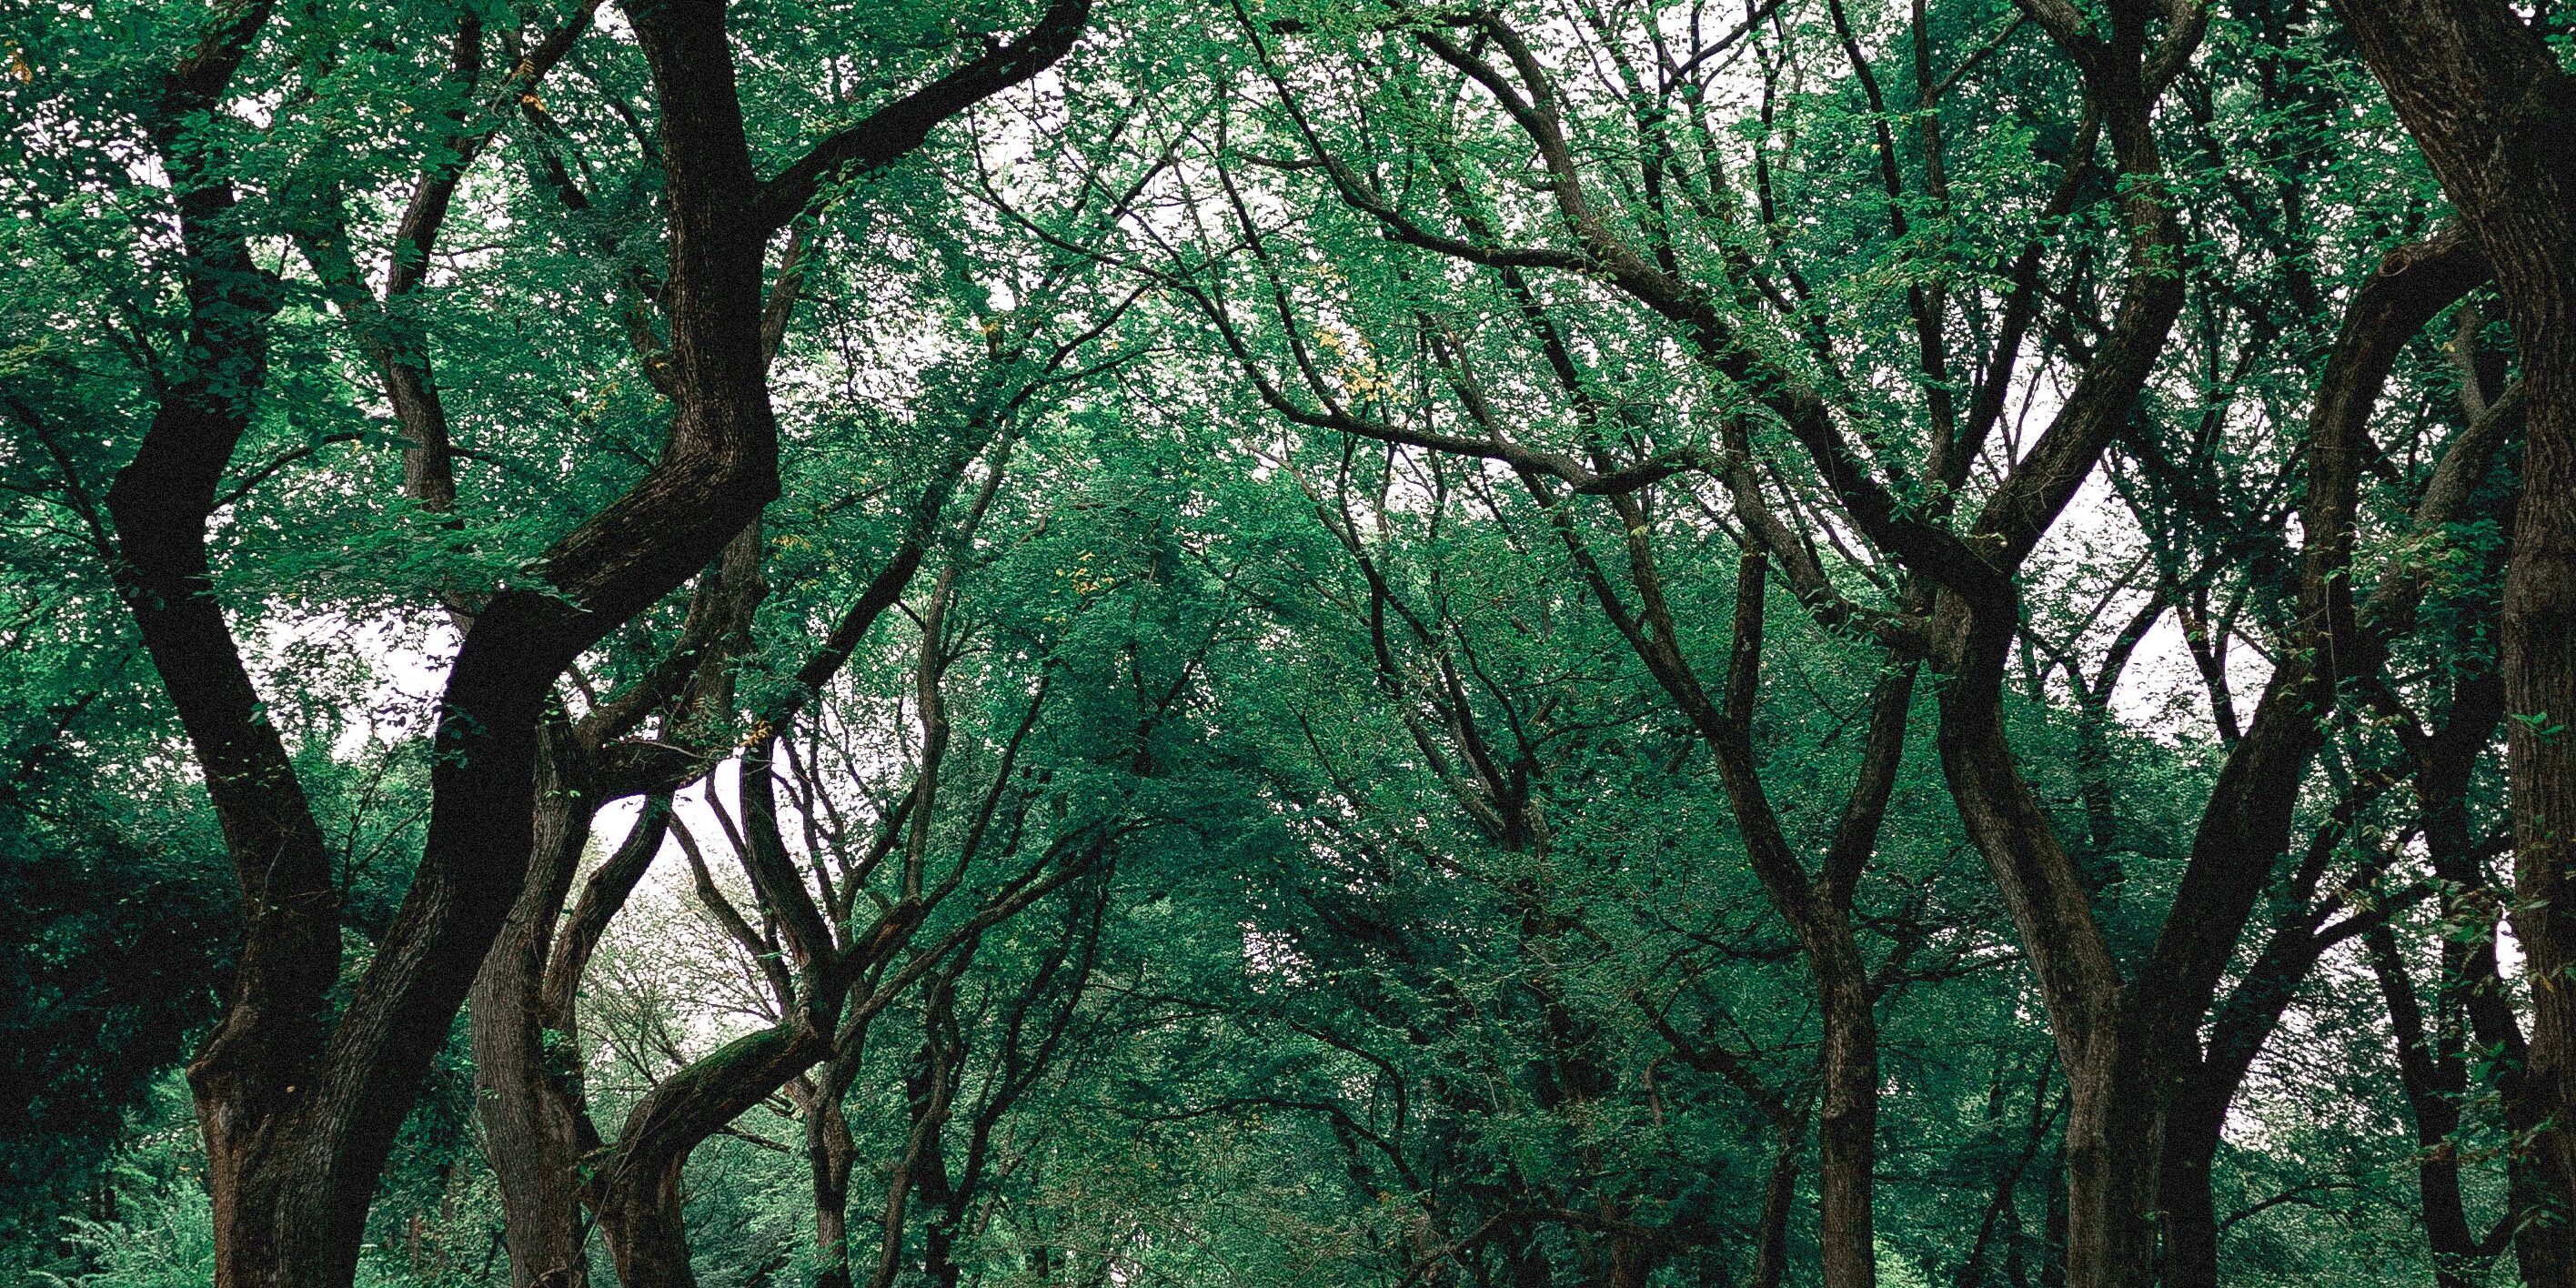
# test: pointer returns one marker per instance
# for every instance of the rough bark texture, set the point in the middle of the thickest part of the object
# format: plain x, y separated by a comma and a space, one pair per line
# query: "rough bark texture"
299, 1113
257, 1070
2131, 1047
529, 1120
639, 1195
2112, 1133
2494, 113
529, 1092
525, 1020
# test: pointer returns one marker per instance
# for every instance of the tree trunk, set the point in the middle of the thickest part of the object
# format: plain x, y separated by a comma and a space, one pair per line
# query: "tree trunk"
1847, 1120
2540, 682
1817, 908
530, 1126
2495, 115
637, 1194
2433, 1078
2192, 1135
1779, 1199
829, 1153
641, 1221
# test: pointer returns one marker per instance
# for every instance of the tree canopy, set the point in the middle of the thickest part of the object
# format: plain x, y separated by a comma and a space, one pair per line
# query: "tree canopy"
1623, 643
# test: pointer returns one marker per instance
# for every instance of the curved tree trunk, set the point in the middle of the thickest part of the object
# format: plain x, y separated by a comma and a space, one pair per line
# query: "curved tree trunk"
2433, 1077
524, 1020
829, 1154
638, 1195
2495, 114
530, 1126
300, 1108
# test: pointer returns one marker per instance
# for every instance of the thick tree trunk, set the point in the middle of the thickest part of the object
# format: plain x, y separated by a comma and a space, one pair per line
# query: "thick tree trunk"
2112, 1139
2249, 818
2190, 1202
829, 1153
530, 1127
939, 1231
2115, 1133
641, 1220
2540, 684
2111, 1055
2486, 99
2202, 1089
257, 1073
637, 1194
298, 1112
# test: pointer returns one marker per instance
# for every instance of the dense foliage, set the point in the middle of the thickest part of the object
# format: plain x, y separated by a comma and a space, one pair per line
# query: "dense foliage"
1287, 642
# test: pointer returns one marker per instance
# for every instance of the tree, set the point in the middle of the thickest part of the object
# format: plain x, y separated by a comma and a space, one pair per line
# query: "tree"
2486, 98
282, 1081
1611, 643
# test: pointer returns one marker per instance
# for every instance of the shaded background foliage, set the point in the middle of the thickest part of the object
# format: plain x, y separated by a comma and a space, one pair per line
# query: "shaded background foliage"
1396, 926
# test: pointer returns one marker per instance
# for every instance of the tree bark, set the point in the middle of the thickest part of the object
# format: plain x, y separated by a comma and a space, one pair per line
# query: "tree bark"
721, 219
299, 1112
2132, 1046
2494, 113
525, 1017
1779, 1199
829, 1154
2433, 1077
530, 1119
638, 1195
2247, 822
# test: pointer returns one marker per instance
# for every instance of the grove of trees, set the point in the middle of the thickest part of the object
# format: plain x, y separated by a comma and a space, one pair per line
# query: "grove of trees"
1222, 643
